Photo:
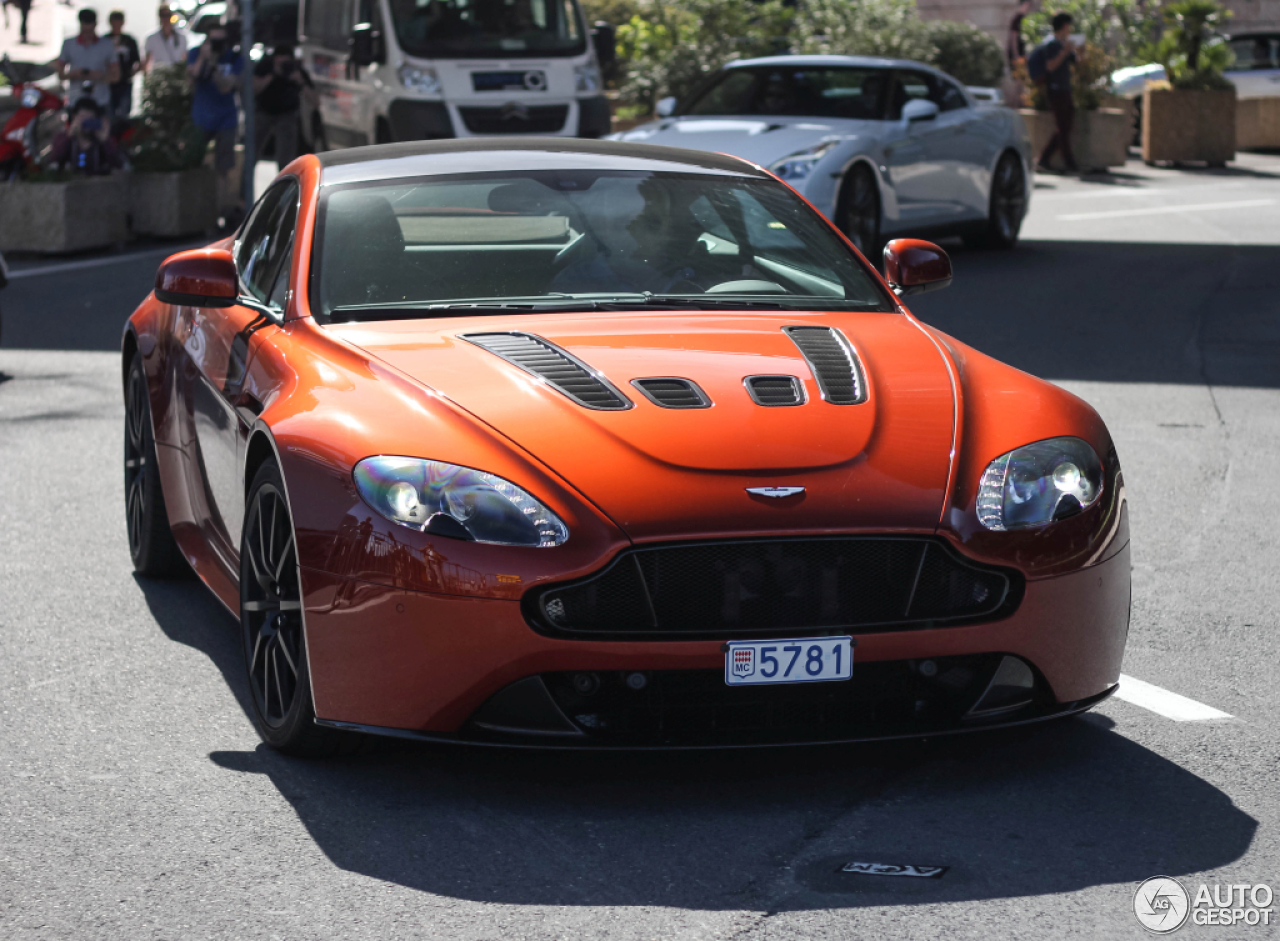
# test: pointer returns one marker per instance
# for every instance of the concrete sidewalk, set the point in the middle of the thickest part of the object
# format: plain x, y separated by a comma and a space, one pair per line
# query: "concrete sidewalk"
49, 23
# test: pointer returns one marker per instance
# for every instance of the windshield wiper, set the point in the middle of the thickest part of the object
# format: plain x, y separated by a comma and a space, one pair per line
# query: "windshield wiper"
349, 313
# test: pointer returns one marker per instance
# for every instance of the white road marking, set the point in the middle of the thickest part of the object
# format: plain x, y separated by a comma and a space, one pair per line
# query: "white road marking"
1165, 210
95, 262
1162, 702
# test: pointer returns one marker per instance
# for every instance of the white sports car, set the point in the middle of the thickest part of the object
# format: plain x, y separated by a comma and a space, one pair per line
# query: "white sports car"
883, 147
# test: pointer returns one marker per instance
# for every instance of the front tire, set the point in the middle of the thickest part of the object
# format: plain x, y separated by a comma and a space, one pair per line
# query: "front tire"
858, 214
275, 652
152, 547
1007, 206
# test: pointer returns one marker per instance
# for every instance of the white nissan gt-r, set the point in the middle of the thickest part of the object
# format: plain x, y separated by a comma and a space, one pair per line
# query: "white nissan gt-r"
883, 147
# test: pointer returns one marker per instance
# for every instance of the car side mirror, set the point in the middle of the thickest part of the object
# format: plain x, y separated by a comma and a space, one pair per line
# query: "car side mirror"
913, 266
361, 43
665, 107
205, 277
919, 109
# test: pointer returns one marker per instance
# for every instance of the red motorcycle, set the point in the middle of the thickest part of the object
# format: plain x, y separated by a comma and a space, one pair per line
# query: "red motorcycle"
28, 128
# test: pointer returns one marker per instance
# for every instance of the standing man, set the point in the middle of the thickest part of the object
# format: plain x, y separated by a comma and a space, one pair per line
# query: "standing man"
215, 70
167, 46
24, 10
278, 81
89, 57
127, 62
1053, 68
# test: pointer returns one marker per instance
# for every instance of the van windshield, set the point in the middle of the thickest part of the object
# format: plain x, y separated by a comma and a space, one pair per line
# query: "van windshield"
496, 28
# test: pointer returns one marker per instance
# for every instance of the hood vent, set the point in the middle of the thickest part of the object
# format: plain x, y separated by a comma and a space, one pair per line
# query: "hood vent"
669, 392
775, 390
565, 373
833, 362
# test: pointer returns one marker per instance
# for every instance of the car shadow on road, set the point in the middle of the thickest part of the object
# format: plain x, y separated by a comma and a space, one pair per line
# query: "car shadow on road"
1049, 809
1118, 312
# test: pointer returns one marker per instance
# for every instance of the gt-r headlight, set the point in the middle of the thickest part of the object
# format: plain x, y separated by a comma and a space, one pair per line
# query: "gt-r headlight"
800, 165
1037, 484
458, 502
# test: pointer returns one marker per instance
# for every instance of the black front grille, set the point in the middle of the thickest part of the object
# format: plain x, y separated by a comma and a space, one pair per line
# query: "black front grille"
775, 390
833, 363
563, 372
535, 119
672, 393
776, 588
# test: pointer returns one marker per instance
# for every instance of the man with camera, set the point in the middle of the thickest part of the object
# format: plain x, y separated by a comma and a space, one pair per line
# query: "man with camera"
214, 70
279, 81
84, 147
89, 58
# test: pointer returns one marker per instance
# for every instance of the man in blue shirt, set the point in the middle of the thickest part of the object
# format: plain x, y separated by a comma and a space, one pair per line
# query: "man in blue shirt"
215, 70
1059, 55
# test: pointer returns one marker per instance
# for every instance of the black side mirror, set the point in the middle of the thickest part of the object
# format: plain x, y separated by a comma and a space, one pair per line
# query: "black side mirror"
605, 40
362, 45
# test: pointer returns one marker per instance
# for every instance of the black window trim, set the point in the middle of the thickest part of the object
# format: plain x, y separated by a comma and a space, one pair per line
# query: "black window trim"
247, 298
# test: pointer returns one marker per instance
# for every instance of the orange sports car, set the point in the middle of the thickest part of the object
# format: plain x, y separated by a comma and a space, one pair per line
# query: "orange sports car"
601, 444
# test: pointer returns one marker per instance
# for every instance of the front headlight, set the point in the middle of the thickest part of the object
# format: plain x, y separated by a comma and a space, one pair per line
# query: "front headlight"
1037, 484
458, 502
423, 80
800, 165
586, 77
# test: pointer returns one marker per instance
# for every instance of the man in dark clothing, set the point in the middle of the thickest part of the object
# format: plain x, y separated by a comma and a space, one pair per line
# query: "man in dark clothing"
127, 57
1059, 55
278, 81
84, 146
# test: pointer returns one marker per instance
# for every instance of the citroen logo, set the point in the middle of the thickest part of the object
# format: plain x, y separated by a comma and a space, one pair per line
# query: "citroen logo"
515, 111
777, 492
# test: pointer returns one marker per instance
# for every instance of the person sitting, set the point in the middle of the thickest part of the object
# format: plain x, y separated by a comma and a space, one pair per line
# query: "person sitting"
84, 146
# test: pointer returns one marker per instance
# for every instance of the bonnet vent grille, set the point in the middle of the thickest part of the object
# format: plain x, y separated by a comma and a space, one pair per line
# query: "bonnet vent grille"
833, 362
568, 375
775, 390
672, 393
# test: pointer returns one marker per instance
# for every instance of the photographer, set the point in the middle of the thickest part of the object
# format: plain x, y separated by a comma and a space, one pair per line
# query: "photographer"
84, 146
89, 57
128, 63
214, 70
278, 84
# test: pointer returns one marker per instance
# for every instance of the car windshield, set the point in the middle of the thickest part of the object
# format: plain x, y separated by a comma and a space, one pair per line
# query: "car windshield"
510, 28
793, 91
578, 240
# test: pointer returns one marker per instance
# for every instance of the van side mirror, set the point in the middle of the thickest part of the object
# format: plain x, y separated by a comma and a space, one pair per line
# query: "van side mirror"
913, 266
919, 109
361, 42
204, 277
604, 38
665, 107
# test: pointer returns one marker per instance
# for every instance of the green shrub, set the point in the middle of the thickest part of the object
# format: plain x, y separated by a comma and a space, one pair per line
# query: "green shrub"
1192, 54
965, 52
166, 138
889, 28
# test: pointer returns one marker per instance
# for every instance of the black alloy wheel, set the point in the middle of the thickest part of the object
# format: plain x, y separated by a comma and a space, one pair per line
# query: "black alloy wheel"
152, 547
859, 212
272, 628
1008, 204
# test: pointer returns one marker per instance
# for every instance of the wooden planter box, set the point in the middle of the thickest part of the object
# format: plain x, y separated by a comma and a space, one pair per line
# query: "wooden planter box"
1258, 124
1188, 126
1099, 139
184, 202
64, 217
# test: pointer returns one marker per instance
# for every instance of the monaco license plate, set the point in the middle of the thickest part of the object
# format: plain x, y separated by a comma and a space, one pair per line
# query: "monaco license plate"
799, 660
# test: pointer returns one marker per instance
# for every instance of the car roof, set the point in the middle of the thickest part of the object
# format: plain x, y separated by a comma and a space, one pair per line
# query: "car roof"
480, 155
874, 62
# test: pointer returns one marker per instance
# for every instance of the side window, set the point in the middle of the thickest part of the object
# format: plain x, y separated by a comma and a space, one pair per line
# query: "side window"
906, 86
264, 250
731, 95
948, 95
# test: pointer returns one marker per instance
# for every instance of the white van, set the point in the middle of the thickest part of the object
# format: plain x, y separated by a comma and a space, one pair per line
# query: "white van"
398, 70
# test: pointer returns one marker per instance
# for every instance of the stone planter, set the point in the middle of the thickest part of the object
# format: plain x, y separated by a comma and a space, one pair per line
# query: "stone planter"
1099, 139
1258, 124
64, 217
1188, 126
184, 202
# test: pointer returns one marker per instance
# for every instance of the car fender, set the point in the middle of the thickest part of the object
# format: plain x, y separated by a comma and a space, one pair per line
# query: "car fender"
870, 158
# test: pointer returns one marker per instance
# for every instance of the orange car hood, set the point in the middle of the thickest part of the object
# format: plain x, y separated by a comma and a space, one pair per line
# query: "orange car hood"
680, 473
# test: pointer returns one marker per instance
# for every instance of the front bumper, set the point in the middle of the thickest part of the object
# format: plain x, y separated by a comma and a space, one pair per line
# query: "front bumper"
422, 665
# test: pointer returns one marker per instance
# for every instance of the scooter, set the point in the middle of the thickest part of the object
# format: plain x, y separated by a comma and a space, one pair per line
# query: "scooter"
20, 137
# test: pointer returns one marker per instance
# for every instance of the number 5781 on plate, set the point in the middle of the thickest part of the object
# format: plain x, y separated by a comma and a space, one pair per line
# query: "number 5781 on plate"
797, 660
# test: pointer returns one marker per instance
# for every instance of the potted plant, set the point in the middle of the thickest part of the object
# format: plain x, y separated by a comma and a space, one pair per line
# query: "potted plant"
54, 211
1192, 116
171, 193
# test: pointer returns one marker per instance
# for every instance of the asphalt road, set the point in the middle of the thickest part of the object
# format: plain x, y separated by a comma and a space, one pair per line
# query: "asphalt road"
136, 802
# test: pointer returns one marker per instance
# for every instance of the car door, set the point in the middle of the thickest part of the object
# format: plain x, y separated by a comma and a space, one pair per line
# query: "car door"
217, 344
966, 146
914, 157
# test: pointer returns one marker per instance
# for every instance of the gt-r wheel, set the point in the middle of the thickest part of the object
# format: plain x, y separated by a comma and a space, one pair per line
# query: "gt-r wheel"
1008, 205
859, 212
271, 625
151, 543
